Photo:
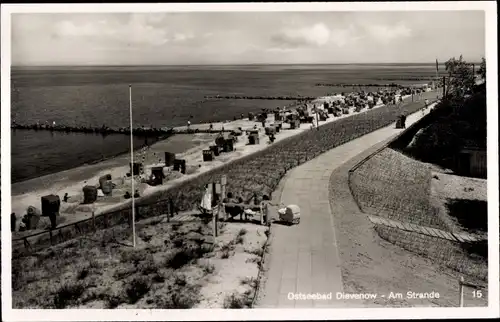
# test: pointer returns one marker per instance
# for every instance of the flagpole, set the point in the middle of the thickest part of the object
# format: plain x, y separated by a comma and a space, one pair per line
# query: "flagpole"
132, 165
437, 78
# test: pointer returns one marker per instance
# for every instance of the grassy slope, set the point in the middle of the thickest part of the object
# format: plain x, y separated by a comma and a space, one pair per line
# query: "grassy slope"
172, 266
397, 187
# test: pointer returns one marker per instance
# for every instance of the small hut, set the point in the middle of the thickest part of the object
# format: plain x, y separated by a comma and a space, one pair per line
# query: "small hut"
103, 179
253, 139
215, 149
401, 122
31, 218
208, 155
295, 124
221, 139
270, 130
169, 159
107, 187
156, 176
180, 165
89, 194
50, 204
136, 168
228, 145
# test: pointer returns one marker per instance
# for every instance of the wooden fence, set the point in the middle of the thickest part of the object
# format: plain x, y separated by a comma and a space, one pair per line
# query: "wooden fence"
43, 239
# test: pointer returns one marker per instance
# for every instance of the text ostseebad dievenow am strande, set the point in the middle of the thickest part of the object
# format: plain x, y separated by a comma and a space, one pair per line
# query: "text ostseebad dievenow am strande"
361, 296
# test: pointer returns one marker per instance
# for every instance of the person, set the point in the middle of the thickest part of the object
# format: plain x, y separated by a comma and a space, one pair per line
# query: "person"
66, 197
426, 103
265, 204
189, 125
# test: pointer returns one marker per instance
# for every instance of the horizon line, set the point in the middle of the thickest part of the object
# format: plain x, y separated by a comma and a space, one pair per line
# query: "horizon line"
241, 64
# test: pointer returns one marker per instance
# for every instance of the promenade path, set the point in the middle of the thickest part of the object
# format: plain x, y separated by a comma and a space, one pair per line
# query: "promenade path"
304, 258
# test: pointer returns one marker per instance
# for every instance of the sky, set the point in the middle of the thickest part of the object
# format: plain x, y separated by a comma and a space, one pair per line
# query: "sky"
245, 37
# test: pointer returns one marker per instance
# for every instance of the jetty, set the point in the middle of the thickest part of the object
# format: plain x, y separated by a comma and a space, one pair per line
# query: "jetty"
104, 130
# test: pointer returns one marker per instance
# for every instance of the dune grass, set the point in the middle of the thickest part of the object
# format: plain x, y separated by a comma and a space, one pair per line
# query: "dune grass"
397, 187
167, 269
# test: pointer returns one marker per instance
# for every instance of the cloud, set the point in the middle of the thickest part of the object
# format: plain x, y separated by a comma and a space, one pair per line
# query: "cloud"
135, 31
318, 35
183, 37
342, 37
388, 33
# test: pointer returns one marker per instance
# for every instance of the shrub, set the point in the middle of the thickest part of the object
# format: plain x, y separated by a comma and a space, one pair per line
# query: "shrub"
133, 256
112, 301
181, 258
257, 251
234, 301
239, 239
68, 294
148, 267
180, 280
124, 272
158, 278
83, 273
138, 287
208, 268
183, 299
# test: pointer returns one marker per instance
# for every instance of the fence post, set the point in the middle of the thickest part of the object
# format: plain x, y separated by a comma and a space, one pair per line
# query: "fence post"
223, 183
27, 245
461, 291
93, 220
51, 239
169, 205
214, 220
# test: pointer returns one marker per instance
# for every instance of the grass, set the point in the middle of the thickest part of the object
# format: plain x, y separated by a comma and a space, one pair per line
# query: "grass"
115, 274
68, 294
238, 301
155, 274
397, 187
137, 288
394, 186
447, 253
227, 249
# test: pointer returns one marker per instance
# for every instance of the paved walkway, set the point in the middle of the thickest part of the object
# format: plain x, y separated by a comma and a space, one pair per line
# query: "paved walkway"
304, 258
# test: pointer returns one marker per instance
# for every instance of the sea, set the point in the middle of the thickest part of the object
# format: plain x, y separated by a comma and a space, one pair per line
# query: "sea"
162, 96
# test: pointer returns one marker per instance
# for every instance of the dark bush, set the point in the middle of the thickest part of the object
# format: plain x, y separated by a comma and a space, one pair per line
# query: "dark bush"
138, 287
68, 294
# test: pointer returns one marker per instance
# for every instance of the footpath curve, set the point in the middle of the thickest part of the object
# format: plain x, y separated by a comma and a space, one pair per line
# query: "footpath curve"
305, 258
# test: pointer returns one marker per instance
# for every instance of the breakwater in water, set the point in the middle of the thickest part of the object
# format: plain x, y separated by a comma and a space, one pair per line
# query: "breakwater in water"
104, 130
244, 97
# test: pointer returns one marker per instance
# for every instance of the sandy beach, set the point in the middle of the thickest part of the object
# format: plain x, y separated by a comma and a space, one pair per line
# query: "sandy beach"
186, 146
